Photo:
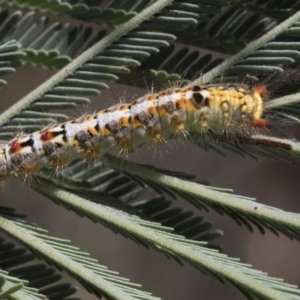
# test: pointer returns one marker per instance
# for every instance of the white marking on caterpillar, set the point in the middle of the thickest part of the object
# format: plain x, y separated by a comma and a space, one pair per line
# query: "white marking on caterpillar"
123, 127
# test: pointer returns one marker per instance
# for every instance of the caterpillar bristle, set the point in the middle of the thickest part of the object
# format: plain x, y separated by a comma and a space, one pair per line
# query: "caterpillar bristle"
261, 89
259, 123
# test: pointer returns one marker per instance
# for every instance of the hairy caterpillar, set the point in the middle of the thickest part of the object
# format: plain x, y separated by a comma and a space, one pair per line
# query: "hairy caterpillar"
123, 127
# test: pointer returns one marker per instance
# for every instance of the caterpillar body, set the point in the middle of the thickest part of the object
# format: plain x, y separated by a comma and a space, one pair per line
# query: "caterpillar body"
123, 127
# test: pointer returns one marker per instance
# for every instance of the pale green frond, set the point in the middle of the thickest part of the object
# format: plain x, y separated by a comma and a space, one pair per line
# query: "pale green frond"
227, 32
59, 91
43, 51
183, 222
242, 210
283, 102
288, 147
257, 146
286, 107
270, 147
108, 15
191, 23
107, 186
238, 62
251, 282
16, 289
42, 278
94, 277
273, 9
65, 40
113, 13
34, 38
23, 265
228, 29
10, 56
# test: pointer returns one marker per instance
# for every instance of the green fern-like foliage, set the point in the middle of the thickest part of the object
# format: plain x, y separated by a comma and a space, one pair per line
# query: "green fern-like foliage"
121, 45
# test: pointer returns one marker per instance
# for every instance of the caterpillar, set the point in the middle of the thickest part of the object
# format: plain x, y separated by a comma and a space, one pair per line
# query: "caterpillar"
124, 127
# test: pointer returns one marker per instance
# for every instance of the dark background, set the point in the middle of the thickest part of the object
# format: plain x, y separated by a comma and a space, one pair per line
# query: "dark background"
272, 183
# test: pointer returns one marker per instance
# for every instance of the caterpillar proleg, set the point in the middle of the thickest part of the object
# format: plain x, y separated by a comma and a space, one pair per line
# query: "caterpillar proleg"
124, 127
